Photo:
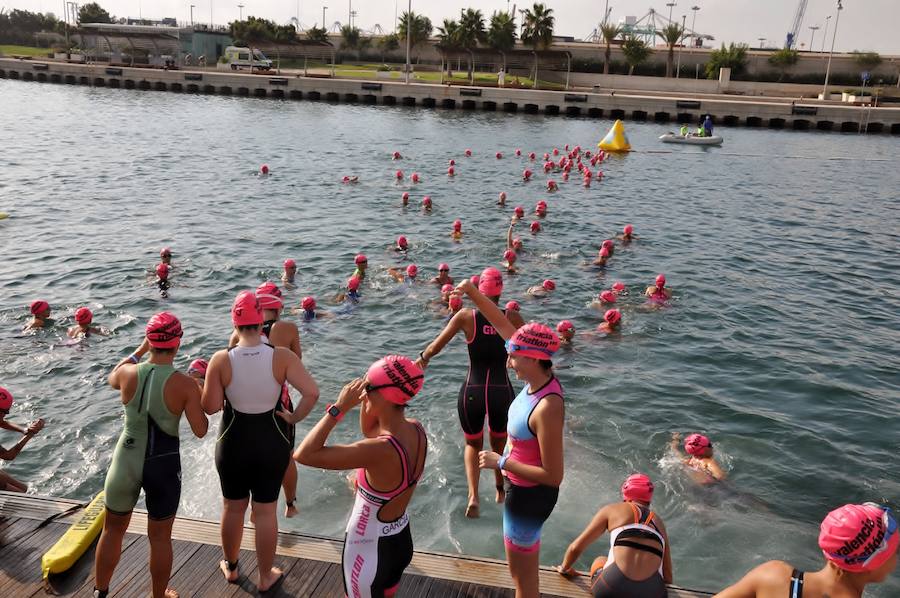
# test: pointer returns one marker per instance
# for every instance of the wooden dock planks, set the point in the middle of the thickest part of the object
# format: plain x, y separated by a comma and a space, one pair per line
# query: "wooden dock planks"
30, 525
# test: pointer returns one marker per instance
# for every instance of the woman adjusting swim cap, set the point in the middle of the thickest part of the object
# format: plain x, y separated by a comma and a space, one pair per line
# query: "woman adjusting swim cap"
859, 537
396, 378
533, 340
637, 487
164, 331
246, 310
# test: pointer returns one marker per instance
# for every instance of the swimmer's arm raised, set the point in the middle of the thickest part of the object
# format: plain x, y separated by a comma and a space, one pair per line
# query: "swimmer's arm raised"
437, 345
596, 528
489, 309
115, 376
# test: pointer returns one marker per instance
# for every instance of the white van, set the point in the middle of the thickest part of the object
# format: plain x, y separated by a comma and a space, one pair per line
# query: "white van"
239, 58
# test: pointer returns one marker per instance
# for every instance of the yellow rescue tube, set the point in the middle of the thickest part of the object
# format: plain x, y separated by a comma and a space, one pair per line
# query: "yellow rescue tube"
3, 215
615, 140
76, 540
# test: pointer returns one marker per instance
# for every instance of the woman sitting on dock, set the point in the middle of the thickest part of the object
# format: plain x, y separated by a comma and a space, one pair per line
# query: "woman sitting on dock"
639, 561
378, 544
860, 547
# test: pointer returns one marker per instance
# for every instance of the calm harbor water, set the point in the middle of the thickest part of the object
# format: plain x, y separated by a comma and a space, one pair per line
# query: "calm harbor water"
781, 345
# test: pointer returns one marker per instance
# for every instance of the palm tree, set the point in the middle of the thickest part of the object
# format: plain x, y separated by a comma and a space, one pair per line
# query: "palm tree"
733, 57
420, 30
388, 43
471, 33
609, 33
671, 34
537, 31
501, 35
636, 52
448, 35
315, 34
349, 37
784, 59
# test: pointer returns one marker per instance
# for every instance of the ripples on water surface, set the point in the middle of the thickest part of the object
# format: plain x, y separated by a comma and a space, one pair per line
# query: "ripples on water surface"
781, 344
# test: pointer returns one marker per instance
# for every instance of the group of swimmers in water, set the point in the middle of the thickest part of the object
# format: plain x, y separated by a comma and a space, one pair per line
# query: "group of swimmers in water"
256, 455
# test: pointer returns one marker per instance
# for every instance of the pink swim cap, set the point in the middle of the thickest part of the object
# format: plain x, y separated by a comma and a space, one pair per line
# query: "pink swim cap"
289, 263
612, 316
415, 177
551, 184
38, 307
246, 310
457, 224
546, 156
608, 297
660, 281
628, 229
564, 326
475, 278
519, 211
308, 303
509, 255
548, 285
607, 243
443, 267
198, 366
6, 399
426, 201
162, 271
360, 259
526, 174
451, 171
165, 252
447, 288
264, 169
533, 340
405, 195
269, 296
402, 242
512, 306
346, 179
164, 331
83, 316
555, 151
638, 487
468, 152
412, 270
696, 444
455, 303
859, 538
517, 243
604, 252
535, 226
499, 155
452, 162
353, 283
541, 204
396, 378
490, 283
395, 155
618, 286
398, 175
518, 152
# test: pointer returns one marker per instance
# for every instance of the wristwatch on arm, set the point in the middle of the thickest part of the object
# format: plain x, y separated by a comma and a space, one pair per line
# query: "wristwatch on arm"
334, 412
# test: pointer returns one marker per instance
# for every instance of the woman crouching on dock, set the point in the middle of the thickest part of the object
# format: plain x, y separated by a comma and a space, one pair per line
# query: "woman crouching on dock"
533, 460
378, 543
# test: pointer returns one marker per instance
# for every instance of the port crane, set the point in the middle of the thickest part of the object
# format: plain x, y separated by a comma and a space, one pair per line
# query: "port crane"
798, 21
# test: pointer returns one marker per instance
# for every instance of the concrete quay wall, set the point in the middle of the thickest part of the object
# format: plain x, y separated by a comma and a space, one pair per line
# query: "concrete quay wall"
641, 106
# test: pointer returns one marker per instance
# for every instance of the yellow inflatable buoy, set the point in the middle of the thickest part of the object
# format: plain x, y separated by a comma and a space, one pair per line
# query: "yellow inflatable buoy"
615, 140
3, 215
76, 540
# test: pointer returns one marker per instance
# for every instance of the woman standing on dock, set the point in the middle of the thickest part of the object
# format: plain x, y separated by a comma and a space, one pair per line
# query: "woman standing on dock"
154, 397
486, 392
254, 448
533, 460
378, 543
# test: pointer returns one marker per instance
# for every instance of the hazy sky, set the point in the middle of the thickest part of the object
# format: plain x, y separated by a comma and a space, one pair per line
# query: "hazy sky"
865, 24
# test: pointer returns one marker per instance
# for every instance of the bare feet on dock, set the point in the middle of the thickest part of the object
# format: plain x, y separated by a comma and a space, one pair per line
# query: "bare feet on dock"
267, 582
473, 510
501, 494
170, 593
230, 576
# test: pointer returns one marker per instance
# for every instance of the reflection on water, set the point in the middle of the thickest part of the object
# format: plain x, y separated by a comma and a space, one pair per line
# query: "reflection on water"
780, 343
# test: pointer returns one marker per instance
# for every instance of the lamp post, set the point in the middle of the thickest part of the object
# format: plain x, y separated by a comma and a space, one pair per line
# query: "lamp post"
192, 14
671, 5
240, 12
605, 11
694, 24
825, 33
761, 42
409, 27
324, 8
210, 14
831, 52
350, 12
812, 28
680, 46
